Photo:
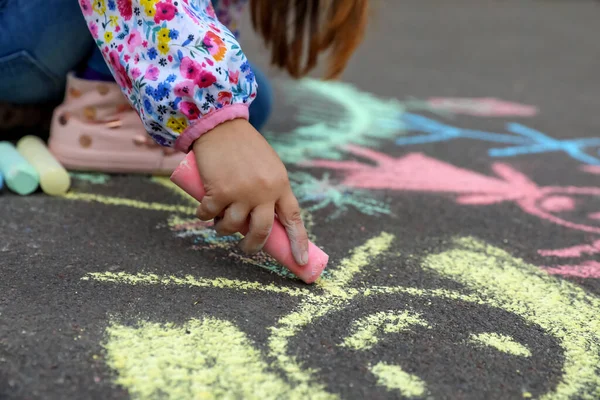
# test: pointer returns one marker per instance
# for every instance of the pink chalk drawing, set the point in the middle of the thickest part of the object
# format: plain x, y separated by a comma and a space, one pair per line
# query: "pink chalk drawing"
589, 269
482, 107
572, 252
419, 173
592, 169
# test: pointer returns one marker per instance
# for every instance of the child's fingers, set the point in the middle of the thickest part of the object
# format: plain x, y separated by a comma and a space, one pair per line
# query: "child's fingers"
209, 208
234, 219
288, 212
261, 222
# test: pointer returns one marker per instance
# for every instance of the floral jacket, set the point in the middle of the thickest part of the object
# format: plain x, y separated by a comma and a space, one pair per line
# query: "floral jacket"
176, 61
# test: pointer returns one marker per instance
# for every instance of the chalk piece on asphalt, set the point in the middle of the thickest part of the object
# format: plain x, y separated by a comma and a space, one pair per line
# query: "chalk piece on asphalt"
20, 176
54, 179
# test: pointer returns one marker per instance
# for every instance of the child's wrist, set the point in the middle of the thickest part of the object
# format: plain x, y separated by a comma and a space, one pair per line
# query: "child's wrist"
223, 131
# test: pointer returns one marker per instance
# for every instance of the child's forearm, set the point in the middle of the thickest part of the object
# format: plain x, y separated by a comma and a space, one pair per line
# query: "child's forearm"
180, 68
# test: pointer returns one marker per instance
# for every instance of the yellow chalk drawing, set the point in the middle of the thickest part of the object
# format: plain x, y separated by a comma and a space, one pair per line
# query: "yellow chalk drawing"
118, 201
559, 307
490, 277
312, 307
504, 343
189, 281
335, 297
367, 328
360, 258
203, 359
393, 377
166, 182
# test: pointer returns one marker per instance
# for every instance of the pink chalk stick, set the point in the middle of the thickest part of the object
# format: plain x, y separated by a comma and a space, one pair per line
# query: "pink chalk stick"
278, 246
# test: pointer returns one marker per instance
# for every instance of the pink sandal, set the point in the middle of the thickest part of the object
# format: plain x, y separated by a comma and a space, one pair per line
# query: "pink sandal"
95, 129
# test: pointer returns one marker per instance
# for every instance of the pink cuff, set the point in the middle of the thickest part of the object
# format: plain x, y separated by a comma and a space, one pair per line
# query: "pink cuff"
208, 122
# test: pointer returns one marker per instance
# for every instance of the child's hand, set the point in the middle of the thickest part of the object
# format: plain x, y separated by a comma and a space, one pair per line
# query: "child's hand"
244, 178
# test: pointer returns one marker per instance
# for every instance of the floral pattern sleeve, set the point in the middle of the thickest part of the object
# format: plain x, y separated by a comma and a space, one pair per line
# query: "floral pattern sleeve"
179, 66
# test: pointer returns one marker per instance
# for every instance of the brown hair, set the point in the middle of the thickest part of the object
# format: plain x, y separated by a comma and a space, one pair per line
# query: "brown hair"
335, 25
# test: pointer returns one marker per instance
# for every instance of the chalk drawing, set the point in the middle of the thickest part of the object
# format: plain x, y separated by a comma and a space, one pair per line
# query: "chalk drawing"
334, 114
594, 216
592, 169
166, 183
587, 269
482, 107
322, 193
189, 281
558, 307
573, 252
419, 173
436, 131
314, 305
194, 366
524, 140
393, 377
138, 204
491, 277
366, 330
93, 178
202, 359
503, 343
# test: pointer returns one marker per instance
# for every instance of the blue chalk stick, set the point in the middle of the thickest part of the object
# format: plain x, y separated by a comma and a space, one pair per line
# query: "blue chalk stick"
1, 182
20, 176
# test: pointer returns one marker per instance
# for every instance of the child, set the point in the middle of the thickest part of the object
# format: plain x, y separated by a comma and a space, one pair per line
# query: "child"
183, 72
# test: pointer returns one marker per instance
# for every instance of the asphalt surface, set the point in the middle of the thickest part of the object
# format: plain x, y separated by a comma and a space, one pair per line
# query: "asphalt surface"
397, 245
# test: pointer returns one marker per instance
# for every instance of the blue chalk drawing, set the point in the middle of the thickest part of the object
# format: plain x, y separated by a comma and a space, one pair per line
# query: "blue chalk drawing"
541, 143
524, 140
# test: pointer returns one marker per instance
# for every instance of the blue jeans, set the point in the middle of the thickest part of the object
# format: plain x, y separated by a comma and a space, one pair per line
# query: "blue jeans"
40, 42
43, 40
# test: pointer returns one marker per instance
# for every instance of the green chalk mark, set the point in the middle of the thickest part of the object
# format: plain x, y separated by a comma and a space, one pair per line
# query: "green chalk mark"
361, 118
394, 378
503, 343
366, 329
93, 178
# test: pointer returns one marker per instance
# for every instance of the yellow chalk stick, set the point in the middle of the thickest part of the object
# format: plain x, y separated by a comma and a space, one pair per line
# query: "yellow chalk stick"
54, 179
